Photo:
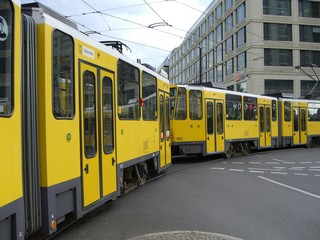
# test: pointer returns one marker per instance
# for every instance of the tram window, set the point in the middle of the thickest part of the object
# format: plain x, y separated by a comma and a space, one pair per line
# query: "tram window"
262, 118
195, 104
250, 108
234, 107
162, 122
314, 112
6, 58
210, 129
128, 91
107, 111
219, 118
287, 111
181, 110
167, 119
268, 122
274, 110
89, 111
296, 119
149, 90
172, 101
303, 120
62, 75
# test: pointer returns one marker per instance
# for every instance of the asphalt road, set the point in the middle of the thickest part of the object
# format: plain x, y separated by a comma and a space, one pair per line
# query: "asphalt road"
265, 195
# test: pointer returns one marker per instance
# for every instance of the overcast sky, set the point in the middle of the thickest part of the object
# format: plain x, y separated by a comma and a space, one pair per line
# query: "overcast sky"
128, 22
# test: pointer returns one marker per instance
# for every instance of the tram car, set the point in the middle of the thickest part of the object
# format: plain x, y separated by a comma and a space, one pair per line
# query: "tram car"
80, 123
208, 121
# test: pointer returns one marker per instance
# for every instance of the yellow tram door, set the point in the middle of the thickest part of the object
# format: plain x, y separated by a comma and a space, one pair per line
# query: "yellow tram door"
165, 141
214, 126
299, 125
89, 134
108, 159
265, 125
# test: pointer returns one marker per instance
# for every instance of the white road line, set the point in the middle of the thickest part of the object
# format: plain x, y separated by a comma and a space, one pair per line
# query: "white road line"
252, 171
280, 168
280, 173
282, 161
237, 163
317, 162
236, 170
263, 169
255, 162
215, 168
301, 174
305, 162
297, 168
292, 188
314, 170
314, 167
272, 163
317, 175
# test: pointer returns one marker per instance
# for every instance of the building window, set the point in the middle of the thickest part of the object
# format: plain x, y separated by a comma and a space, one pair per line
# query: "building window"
229, 45
277, 32
241, 61
211, 40
277, 7
219, 11
219, 54
307, 85
307, 57
309, 9
210, 20
219, 33
241, 37
229, 23
204, 63
62, 75
211, 75
204, 27
228, 4
309, 33
242, 87
241, 13
211, 59
220, 73
272, 86
229, 66
277, 57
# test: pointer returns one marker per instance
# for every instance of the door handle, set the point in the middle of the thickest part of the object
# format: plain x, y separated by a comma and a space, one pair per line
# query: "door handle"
86, 169
113, 161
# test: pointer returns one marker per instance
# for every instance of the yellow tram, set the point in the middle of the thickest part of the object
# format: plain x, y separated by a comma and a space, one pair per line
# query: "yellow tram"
92, 124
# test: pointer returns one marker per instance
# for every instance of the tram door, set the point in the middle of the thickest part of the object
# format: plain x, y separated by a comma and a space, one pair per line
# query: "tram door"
299, 125
97, 133
214, 126
265, 125
165, 141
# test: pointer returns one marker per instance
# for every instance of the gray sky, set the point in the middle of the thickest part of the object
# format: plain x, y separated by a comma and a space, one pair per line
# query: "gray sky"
128, 21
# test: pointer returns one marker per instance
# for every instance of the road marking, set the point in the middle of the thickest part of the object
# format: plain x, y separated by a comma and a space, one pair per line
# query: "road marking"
305, 162
236, 170
216, 168
314, 170
255, 171
255, 162
280, 168
301, 174
282, 161
237, 163
263, 169
297, 168
272, 163
315, 167
292, 188
317, 162
281, 173
317, 175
